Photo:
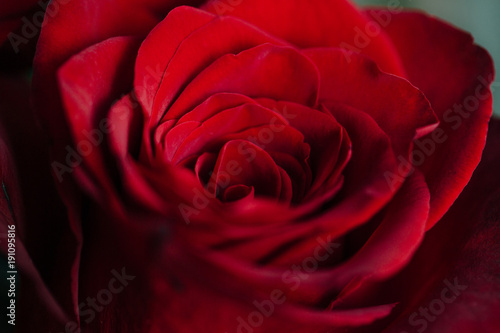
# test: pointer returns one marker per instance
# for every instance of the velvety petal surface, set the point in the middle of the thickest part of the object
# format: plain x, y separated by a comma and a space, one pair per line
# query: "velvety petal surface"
399, 108
332, 23
63, 37
455, 75
90, 83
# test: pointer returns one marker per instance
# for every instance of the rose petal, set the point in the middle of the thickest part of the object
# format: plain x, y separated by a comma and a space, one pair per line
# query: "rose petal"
294, 78
225, 123
393, 243
260, 172
360, 199
156, 52
400, 109
325, 136
232, 295
461, 250
335, 23
62, 37
455, 75
186, 55
90, 82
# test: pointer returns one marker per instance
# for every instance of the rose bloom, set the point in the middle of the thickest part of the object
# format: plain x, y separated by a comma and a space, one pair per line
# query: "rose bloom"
252, 166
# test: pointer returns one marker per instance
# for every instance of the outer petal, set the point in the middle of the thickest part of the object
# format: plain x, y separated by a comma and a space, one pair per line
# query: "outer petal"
156, 51
463, 249
76, 25
90, 83
236, 301
196, 39
306, 24
295, 78
399, 108
455, 76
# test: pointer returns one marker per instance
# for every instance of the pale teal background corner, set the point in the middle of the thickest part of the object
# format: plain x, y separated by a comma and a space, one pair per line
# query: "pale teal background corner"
481, 18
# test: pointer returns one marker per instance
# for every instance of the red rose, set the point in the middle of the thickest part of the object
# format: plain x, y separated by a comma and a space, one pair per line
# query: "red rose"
248, 166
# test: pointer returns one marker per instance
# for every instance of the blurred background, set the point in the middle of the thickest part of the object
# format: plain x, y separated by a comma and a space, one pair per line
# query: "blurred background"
481, 18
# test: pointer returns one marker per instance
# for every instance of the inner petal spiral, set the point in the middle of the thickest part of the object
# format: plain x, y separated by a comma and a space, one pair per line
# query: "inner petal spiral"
240, 148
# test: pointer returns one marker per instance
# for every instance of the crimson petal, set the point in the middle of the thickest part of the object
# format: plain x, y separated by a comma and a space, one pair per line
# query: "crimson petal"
455, 75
